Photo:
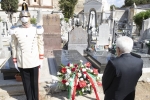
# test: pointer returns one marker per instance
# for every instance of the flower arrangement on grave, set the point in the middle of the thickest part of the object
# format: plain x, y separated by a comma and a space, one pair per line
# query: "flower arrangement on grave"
79, 79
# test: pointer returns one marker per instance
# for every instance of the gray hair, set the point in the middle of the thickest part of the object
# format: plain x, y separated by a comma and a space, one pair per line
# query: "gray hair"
125, 44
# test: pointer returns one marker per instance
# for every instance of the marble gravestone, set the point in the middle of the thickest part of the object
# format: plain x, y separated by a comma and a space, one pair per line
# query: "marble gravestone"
101, 58
78, 40
52, 34
104, 35
67, 56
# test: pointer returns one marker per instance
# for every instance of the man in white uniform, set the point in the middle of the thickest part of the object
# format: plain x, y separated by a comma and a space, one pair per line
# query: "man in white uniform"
27, 48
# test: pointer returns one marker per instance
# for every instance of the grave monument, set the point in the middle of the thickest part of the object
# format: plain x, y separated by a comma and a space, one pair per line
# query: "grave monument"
78, 40
52, 34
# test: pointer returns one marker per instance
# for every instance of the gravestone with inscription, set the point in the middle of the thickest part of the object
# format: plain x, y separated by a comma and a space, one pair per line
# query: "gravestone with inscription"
52, 34
78, 40
104, 34
67, 56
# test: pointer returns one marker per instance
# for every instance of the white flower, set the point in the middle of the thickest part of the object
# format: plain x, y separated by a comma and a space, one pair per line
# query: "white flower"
82, 66
67, 76
68, 71
88, 89
71, 65
99, 75
84, 69
82, 90
89, 85
71, 79
84, 75
81, 79
79, 74
91, 70
67, 83
97, 78
58, 73
81, 61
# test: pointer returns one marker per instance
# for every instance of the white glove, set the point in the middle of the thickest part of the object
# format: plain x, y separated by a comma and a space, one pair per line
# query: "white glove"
41, 64
16, 67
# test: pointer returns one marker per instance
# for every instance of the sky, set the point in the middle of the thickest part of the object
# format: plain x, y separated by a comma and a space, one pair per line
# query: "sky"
117, 3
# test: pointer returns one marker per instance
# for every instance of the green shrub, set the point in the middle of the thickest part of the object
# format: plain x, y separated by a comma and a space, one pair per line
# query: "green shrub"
138, 18
33, 20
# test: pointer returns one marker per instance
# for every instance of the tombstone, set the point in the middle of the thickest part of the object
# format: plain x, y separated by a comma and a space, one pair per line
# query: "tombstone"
78, 40
100, 59
67, 56
52, 34
145, 32
104, 35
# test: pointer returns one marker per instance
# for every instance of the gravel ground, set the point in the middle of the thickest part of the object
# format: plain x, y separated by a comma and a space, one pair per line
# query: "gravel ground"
142, 93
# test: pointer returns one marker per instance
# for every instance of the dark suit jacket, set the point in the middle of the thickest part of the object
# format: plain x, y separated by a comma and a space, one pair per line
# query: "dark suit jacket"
121, 76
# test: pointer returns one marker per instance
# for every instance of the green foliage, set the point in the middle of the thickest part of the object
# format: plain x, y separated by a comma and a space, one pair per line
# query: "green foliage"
33, 20
111, 7
9, 5
137, 2
138, 18
67, 7
66, 19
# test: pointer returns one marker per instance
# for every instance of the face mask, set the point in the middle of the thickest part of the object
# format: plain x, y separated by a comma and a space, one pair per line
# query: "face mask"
24, 19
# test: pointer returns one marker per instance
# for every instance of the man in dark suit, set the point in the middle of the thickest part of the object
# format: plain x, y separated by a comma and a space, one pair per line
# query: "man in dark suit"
122, 73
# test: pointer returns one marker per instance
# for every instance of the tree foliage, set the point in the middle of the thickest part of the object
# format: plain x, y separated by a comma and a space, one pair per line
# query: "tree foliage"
137, 2
112, 6
9, 5
67, 7
138, 18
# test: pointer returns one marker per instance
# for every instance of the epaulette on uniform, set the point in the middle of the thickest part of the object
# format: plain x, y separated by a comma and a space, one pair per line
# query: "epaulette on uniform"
14, 27
39, 29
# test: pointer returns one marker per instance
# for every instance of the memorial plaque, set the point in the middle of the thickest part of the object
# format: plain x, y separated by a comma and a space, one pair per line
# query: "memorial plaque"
78, 40
104, 32
67, 56
52, 34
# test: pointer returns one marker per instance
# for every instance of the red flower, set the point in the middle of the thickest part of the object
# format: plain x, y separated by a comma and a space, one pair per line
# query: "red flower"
73, 69
82, 84
68, 64
76, 65
63, 70
78, 87
99, 83
95, 71
88, 64
64, 81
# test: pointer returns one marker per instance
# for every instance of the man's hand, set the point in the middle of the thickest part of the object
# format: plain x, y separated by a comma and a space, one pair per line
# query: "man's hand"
16, 66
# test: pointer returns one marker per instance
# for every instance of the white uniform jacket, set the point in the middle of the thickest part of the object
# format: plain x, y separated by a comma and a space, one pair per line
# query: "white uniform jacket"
27, 45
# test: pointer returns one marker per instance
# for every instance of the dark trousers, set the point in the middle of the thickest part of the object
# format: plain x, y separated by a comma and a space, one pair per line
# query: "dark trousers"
130, 96
30, 82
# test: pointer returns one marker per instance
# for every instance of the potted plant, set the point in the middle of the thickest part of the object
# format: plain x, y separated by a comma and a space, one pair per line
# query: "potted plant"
18, 77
